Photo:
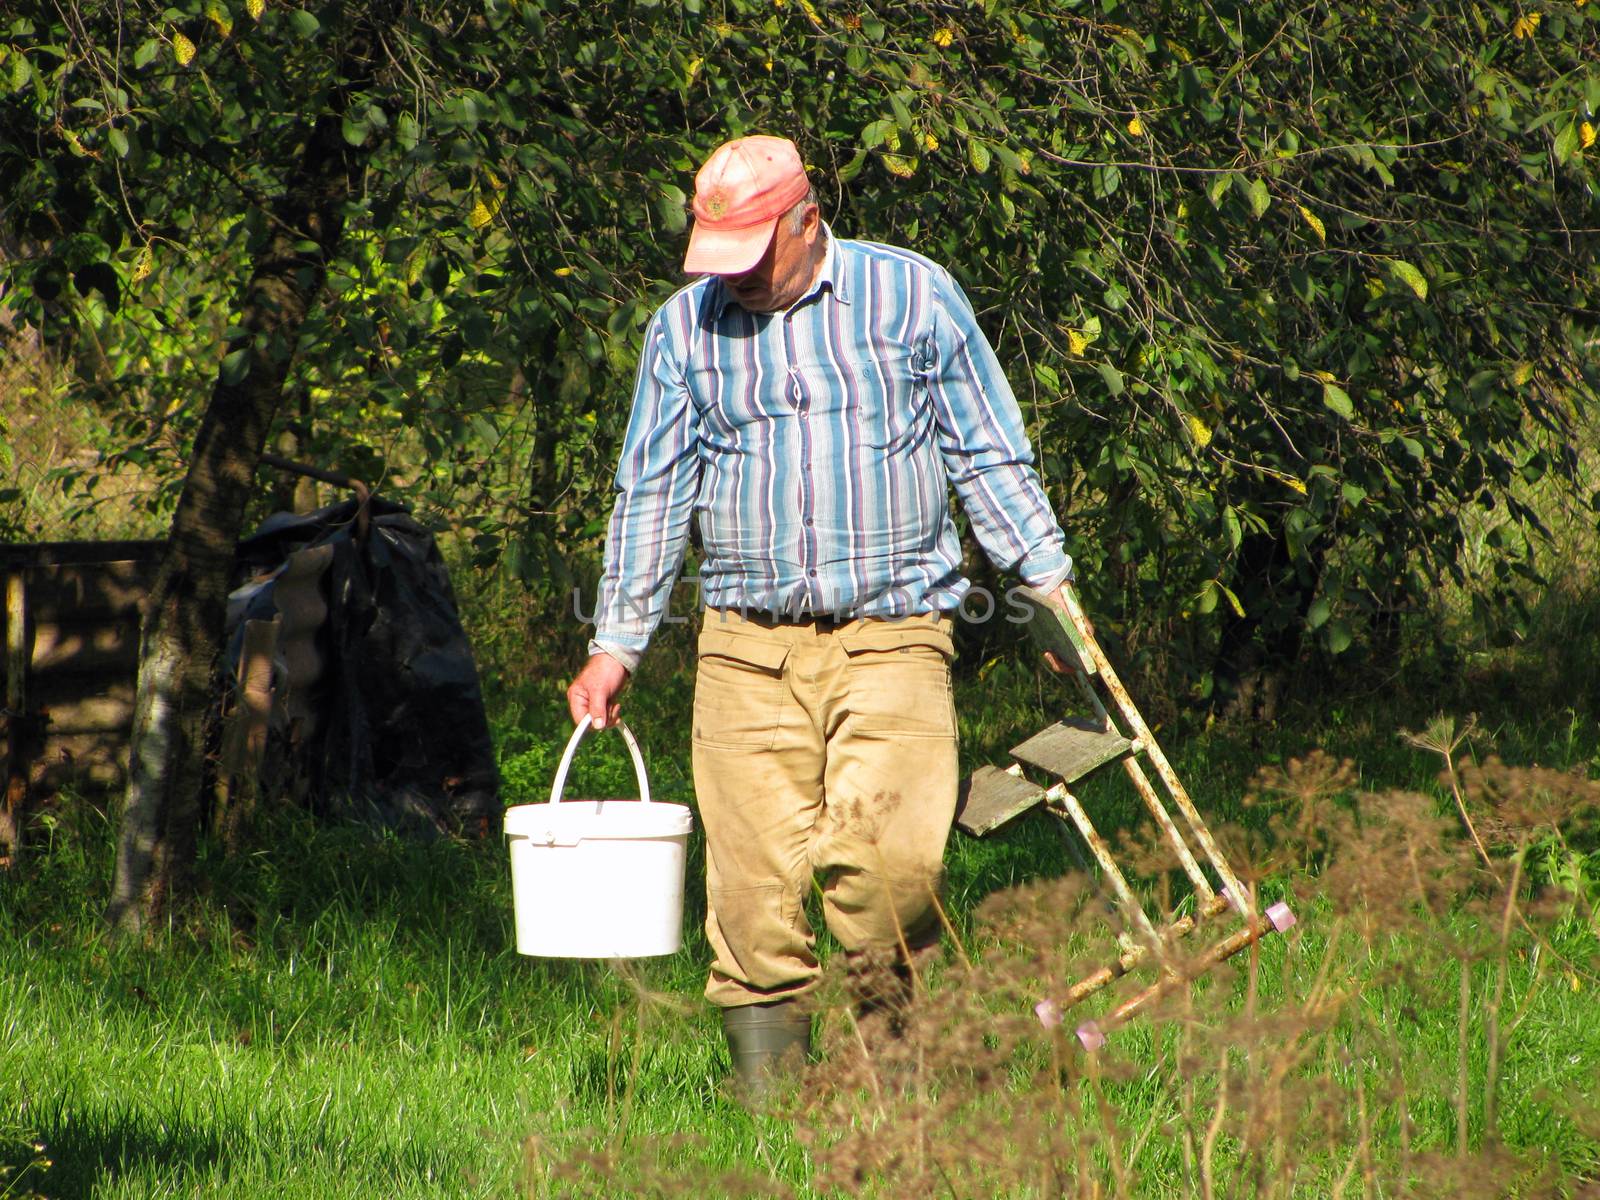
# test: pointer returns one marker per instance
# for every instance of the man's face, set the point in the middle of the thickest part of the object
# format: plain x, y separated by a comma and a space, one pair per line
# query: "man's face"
785, 270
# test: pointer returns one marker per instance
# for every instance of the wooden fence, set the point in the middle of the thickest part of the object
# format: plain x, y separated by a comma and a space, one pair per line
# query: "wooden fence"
71, 657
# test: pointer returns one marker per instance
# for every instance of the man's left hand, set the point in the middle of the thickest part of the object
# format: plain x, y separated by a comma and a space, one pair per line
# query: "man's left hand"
1051, 660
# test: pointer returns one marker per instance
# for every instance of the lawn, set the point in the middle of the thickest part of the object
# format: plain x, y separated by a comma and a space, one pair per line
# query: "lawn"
342, 1016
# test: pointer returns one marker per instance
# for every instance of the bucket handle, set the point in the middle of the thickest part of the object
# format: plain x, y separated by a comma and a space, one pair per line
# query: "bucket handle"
560, 783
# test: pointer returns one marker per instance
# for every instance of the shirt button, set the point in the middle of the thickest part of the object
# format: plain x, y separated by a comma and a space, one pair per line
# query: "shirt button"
808, 522
812, 572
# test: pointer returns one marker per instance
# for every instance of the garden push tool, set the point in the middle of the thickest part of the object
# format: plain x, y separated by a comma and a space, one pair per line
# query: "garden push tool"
1075, 747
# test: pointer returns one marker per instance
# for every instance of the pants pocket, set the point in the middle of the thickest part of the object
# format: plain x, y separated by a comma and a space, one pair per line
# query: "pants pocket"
739, 690
899, 678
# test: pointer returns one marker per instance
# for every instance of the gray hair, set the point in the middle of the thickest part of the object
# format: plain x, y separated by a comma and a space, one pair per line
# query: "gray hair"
796, 216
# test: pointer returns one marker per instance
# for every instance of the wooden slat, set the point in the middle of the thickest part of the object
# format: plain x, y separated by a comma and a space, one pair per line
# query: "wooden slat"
88, 591
80, 760
86, 647
81, 704
1071, 749
991, 797
40, 554
1053, 630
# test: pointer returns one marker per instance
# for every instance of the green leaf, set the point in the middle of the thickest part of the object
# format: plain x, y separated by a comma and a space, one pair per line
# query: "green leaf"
880, 132
1259, 197
1338, 400
977, 155
1233, 600
852, 168
672, 208
902, 114
1566, 142
1047, 377
118, 140
354, 129
1338, 637
236, 366
1112, 376
1219, 188
304, 23
1410, 276
1319, 612
1230, 524
146, 51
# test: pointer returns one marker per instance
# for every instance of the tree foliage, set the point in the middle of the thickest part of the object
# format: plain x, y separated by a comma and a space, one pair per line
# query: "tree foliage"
1288, 290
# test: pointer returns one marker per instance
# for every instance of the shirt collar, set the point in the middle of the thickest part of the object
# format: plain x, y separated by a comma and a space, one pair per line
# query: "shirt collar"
831, 276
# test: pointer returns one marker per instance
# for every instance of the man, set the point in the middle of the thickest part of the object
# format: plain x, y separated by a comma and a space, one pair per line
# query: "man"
808, 400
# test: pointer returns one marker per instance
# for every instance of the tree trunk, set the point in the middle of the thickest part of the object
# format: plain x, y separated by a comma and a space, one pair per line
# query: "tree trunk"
184, 616
1257, 650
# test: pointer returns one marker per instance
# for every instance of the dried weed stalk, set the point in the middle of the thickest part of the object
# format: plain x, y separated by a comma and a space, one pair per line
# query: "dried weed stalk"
1317, 1064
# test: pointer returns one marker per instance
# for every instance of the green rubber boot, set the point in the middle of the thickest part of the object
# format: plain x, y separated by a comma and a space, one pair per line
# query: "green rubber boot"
759, 1035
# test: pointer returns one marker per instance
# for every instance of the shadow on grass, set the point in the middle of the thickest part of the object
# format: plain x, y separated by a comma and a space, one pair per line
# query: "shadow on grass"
88, 1149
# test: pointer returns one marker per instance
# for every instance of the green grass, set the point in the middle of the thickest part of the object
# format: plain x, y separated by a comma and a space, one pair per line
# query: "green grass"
342, 1016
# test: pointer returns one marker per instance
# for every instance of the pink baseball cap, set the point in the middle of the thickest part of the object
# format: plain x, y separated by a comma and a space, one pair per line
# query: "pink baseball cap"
740, 193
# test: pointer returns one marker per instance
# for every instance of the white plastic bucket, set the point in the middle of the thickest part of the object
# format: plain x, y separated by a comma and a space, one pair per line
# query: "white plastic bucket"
598, 878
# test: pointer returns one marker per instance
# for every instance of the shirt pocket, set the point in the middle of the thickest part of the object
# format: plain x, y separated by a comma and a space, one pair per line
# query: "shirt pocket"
739, 690
898, 409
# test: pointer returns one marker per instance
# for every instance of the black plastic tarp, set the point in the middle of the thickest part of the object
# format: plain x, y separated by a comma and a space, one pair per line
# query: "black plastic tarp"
393, 730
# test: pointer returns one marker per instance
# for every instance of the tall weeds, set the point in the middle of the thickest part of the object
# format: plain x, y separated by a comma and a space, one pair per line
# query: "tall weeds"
1390, 1044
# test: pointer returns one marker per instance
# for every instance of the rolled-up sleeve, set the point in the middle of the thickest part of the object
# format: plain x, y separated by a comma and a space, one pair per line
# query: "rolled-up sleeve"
985, 447
657, 480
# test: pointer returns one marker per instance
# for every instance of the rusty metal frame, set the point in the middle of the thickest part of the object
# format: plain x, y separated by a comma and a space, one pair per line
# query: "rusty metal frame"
1210, 902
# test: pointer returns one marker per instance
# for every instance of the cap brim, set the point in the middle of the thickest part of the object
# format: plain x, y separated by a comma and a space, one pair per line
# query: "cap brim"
727, 251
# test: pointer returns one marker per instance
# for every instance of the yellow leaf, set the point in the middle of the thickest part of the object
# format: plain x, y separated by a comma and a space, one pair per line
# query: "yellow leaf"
182, 49
1296, 484
255, 8
1317, 227
930, 143
1522, 374
899, 165
1198, 430
218, 14
417, 259
1136, 127
1585, 135
143, 265
1526, 25
694, 68
944, 35
1410, 276
563, 271
1324, 376
480, 215
811, 13
1076, 342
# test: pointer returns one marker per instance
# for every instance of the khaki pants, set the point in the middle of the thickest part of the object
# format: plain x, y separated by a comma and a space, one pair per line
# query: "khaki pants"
828, 750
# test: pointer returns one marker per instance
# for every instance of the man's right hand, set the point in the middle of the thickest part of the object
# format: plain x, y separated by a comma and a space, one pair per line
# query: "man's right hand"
594, 692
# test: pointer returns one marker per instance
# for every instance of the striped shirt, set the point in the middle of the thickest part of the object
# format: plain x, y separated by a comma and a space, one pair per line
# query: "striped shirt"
815, 448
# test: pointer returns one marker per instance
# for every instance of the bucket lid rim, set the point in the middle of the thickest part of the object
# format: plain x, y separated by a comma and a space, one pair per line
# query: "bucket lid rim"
616, 820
